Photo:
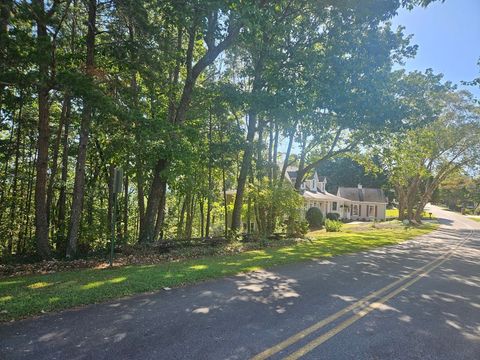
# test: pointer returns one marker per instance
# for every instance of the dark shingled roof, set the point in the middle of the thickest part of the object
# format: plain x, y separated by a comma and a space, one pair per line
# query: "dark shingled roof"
292, 174
365, 194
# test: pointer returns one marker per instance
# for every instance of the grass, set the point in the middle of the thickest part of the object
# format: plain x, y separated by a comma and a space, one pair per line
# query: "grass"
393, 214
474, 218
24, 296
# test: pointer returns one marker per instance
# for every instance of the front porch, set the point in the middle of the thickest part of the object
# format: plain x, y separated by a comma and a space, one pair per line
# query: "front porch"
327, 203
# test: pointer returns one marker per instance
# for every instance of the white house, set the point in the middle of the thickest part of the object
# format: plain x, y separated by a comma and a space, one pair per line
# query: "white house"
357, 203
350, 203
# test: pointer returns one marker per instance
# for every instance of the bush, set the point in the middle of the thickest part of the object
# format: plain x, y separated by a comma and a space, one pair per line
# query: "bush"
314, 217
297, 228
333, 225
333, 216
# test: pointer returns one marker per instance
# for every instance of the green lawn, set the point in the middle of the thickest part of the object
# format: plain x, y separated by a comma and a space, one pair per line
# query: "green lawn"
474, 218
393, 214
23, 296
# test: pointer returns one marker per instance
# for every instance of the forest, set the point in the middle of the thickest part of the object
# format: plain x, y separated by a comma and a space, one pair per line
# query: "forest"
203, 104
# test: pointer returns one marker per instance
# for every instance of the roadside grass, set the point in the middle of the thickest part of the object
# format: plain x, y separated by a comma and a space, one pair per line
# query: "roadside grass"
474, 218
393, 214
24, 296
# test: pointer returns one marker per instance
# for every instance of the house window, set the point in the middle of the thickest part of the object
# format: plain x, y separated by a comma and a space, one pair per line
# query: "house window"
334, 206
355, 210
371, 210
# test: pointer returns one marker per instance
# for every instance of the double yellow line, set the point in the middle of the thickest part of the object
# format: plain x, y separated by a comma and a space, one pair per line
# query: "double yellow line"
365, 305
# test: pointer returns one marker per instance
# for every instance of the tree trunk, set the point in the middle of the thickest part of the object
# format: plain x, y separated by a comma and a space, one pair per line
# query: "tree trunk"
26, 223
190, 217
43, 46
244, 169
210, 177
13, 205
61, 245
201, 205
182, 216
56, 149
79, 183
287, 155
301, 164
275, 154
161, 213
125, 209
5, 11
259, 161
154, 198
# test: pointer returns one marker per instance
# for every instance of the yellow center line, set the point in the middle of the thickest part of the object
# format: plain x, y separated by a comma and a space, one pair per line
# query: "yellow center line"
372, 306
358, 304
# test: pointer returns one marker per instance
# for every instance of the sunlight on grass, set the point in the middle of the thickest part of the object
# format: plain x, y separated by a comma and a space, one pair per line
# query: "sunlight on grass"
62, 290
199, 267
96, 284
6, 283
39, 285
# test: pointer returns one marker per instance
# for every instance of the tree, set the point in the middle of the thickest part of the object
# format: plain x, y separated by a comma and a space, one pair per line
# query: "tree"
421, 159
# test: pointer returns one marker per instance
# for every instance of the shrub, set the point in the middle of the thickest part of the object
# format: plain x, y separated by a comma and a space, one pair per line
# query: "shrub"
314, 217
297, 228
333, 216
333, 225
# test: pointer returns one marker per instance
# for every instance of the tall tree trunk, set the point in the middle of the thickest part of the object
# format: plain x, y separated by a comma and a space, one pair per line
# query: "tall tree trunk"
140, 194
56, 149
125, 209
401, 203
275, 153
259, 161
79, 183
161, 213
244, 169
32, 164
287, 154
5, 11
201, 206
190, 217
61, 244
44, 47
270, 152
301, 164
13, 205
186, 201
154, 199
210, 177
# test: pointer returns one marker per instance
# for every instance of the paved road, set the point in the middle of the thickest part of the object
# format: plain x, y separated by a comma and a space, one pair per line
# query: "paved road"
416, 300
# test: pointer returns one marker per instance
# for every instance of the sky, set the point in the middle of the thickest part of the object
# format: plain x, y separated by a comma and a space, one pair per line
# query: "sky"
448, 36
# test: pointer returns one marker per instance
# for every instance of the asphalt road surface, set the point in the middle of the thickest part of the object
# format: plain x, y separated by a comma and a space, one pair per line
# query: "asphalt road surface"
416, 300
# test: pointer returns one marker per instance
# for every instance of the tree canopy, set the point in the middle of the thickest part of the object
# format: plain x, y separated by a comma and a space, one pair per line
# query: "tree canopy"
204, 105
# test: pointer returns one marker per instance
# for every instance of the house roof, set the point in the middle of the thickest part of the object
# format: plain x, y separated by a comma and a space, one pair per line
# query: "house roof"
322, 196
292, 174
365, 194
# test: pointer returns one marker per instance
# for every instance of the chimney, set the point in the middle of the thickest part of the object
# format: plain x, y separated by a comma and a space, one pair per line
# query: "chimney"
360, 186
